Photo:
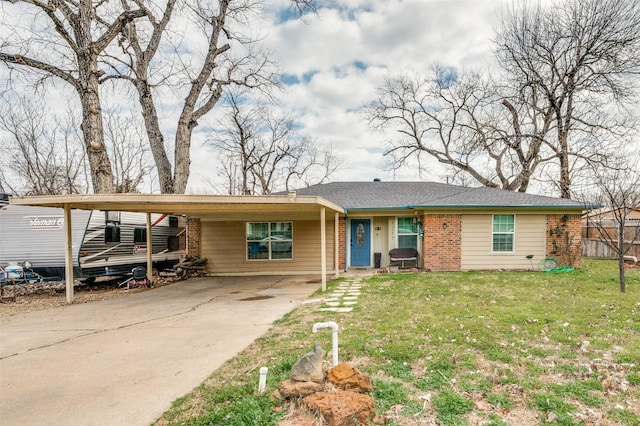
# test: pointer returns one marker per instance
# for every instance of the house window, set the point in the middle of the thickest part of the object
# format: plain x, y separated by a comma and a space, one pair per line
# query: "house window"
503, 232
408, 232
140, 235
111, 234
269, 240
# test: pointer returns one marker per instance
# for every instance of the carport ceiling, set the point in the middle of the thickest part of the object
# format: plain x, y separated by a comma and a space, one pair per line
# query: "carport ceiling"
190, 205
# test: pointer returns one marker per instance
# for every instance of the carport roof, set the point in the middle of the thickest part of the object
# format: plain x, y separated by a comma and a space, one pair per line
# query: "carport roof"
178, 204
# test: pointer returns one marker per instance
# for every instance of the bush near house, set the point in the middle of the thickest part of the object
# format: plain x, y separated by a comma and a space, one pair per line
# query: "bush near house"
491, 348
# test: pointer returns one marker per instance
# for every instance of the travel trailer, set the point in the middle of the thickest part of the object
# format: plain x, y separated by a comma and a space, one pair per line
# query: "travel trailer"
104, 242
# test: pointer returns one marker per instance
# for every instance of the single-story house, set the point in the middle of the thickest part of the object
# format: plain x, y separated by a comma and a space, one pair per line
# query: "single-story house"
452, 227
327, 228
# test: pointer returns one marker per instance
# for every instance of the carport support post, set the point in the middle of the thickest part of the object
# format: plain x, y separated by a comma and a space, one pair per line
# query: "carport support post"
68, 254
323, 247
149, 249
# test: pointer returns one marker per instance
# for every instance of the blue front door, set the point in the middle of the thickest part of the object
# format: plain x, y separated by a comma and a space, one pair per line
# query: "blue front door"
360, 242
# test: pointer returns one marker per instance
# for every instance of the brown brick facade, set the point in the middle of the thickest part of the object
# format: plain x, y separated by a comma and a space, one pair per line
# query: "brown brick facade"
441, 245
342, 238
564, 238
193, 237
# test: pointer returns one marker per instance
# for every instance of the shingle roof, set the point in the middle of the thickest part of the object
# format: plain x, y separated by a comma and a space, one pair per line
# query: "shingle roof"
399, 195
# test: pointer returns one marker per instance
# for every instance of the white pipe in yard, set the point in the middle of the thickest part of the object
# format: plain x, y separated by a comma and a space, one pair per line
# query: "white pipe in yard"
263, 379
334, 337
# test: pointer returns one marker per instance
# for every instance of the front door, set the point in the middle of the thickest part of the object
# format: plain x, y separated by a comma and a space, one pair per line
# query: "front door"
360, 242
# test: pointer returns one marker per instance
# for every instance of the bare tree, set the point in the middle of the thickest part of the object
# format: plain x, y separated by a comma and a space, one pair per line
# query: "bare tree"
42, 152
263, 153
569, 71
77, 48
578, 57
463, 121
230, 60
127, 146
65, 40
619, 191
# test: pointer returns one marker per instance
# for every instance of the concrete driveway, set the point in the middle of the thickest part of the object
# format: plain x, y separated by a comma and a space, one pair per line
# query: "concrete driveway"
123, 361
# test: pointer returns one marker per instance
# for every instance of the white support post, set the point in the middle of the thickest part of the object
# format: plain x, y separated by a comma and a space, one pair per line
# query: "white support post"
68, 253
323, 248
149, 249
336, 245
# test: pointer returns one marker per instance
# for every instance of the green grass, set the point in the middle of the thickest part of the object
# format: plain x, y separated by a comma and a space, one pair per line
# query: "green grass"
480, 345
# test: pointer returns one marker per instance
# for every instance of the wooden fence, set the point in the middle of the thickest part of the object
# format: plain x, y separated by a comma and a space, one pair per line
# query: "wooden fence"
596, 248
631, 231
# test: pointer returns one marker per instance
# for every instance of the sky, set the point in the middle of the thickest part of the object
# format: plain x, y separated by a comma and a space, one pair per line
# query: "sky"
333, 62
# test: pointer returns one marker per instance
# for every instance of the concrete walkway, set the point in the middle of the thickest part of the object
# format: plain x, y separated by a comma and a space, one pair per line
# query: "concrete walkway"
123, 361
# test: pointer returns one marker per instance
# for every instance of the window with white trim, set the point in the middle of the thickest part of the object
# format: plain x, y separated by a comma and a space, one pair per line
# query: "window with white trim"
408, 232
269, 240
504, 229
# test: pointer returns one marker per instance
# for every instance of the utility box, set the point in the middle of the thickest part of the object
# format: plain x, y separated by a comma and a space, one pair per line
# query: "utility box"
377, 258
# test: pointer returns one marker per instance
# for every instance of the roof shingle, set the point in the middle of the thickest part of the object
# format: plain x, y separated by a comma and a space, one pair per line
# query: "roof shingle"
400, 195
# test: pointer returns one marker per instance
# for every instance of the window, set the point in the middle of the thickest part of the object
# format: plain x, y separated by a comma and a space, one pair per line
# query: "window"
408, 232
112, 217
503, 232
111, 234
269, 240
139, 235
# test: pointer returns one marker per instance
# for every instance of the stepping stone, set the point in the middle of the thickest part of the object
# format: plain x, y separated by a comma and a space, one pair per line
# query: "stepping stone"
332, 303
329, 309
351, 298
344, 309
350, 303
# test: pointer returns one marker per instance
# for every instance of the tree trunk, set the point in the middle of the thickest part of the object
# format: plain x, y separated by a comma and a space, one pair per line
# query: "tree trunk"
623, 285
156, 139
182, 150
92, 127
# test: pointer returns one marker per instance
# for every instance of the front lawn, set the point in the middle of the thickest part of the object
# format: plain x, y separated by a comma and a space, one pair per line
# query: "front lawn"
490, 348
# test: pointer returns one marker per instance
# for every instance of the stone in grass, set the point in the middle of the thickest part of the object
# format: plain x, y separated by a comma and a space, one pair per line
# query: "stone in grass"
309, 367
290, 388
346, 377
343, 408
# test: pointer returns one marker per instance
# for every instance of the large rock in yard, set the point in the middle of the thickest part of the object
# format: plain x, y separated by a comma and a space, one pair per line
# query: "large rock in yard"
346, 377
289, 388
343, 408
309, 367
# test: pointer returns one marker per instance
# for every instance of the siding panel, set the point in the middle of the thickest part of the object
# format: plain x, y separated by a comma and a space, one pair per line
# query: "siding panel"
224, 245
530, 238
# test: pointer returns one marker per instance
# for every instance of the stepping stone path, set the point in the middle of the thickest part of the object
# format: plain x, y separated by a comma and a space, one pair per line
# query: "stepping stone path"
344, 296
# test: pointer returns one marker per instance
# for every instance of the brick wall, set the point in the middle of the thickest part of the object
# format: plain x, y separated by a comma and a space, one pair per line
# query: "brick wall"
441, 245
193, 237
564, 238
342, 239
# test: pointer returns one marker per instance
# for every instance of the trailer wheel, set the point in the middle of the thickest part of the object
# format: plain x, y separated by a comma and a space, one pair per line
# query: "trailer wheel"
88, 280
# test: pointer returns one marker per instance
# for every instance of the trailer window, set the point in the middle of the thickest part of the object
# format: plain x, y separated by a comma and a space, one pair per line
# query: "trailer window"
140, 235
112, 217
111, 234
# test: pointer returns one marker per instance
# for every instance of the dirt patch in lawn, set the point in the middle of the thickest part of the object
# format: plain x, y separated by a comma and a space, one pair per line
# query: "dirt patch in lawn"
51, 295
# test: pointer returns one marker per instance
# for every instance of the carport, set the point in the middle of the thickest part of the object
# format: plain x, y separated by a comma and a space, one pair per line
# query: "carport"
235, 208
